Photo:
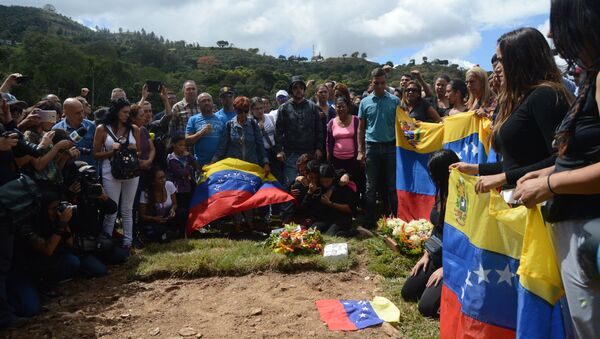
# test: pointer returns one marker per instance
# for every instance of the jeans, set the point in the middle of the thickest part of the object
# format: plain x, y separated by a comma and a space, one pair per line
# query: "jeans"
381, 173
126, 189
290, 170
22, 289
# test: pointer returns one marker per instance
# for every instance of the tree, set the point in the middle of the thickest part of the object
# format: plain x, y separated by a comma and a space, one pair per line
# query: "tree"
222, 43
364, 55
49, 8
355, 55
424, 59
389, 63
344, 55
292, 58
412, 62
282, 57
120, 30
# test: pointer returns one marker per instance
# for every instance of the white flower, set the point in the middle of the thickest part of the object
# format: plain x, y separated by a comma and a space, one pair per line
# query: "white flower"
415, 240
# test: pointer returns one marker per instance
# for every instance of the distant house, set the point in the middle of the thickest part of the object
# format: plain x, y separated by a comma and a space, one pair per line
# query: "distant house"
7, 42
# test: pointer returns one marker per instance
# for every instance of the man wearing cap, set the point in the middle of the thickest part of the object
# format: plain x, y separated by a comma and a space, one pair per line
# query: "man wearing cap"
281, 97
377, 114
183, 110
298, 130
204, 130
226, 95
73, 120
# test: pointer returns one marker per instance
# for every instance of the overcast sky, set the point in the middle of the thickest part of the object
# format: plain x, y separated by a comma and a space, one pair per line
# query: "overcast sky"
464, 31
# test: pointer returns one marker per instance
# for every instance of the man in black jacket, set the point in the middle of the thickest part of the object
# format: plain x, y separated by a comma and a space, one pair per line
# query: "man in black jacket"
298, 130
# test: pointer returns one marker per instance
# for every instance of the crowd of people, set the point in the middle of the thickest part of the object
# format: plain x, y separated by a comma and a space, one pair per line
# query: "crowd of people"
70, 177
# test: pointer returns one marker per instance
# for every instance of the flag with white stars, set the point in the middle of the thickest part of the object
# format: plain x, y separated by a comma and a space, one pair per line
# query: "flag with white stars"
483, 296
351, 315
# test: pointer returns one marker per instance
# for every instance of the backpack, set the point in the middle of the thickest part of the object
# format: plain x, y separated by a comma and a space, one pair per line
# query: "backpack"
19, 200
124, 162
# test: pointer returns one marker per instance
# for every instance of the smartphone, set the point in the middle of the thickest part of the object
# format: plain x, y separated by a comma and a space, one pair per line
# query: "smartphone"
153, 86
23, 79
47, 115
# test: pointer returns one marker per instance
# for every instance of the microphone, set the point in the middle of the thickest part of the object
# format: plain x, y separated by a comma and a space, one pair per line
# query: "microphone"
78, 134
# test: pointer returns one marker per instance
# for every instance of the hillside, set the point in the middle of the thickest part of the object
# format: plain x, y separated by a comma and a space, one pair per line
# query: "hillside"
62, 56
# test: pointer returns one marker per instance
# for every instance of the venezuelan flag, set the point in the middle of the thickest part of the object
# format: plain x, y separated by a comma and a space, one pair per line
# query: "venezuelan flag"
496, 284
230, 186
468, 136
414, 144
352, 315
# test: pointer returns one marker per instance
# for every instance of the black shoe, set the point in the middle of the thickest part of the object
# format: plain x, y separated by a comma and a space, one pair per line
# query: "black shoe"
14, 322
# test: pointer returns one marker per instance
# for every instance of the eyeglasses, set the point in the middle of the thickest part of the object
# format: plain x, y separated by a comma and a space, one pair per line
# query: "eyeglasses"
412, 90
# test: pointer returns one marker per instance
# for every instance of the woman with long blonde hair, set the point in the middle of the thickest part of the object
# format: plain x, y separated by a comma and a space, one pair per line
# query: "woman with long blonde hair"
481, 98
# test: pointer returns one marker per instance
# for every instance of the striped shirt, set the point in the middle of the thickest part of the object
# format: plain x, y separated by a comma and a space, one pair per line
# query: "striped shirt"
182, 111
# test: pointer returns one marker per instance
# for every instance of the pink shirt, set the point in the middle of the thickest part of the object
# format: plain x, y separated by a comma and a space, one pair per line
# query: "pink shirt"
343, 146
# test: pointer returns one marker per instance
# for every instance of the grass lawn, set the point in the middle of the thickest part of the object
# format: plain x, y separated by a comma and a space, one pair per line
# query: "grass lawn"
225, 257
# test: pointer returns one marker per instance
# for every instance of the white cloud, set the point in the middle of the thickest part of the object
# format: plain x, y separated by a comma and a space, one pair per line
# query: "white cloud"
447, 29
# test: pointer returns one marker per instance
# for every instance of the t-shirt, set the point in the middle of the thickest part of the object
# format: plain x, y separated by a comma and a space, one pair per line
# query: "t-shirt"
420, 111
343, 146
225, 116
205, 147
162, 208
268, 132
86, 142
380, 115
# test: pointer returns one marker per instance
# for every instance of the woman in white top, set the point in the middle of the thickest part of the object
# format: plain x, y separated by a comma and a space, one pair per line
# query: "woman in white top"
119, 123
159, 214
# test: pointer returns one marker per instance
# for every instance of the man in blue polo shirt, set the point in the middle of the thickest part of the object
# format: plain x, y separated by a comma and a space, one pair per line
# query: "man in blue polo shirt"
226, 94
73, 120
376, 129
204, 130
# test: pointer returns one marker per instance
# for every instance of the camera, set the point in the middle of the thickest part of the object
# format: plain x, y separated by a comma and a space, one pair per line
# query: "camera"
88, 179
588, 253
84, 151
23, 147
63, 205
153, 86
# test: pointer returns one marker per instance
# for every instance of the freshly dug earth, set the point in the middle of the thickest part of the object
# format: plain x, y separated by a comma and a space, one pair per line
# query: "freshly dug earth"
261, 305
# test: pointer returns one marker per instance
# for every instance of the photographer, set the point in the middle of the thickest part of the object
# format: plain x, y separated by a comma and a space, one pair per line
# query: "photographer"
8, 173
42, 256
93, 247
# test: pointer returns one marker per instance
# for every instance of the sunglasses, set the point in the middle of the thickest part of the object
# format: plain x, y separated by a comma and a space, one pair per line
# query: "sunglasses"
412, 90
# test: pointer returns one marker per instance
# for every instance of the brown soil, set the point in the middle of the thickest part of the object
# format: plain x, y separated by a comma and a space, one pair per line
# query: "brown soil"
267, 305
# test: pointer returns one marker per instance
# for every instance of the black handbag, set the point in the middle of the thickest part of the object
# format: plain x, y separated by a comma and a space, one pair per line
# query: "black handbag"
19, 200
433, 246
124, 164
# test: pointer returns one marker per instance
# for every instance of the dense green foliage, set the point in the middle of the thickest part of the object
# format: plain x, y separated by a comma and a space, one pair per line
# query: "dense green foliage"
62, 56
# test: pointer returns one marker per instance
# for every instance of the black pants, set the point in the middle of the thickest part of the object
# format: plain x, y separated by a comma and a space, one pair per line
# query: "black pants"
415, 289
334, 229
174, 228
6, 250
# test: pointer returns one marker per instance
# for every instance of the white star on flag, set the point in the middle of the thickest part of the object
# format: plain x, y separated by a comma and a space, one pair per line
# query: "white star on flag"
482, 274
365, 308
362, 302
505, 275
462, 293
346, 303
362, 315
466, 149
474, 149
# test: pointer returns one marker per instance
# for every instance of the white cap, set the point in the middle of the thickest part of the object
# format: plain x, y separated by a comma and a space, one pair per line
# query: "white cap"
280, 93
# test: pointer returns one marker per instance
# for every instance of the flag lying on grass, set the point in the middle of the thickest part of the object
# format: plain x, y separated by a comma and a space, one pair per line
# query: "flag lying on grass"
352, 315
230, 186
501, 276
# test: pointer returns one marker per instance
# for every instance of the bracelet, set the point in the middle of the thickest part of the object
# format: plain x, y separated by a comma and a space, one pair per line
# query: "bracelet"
549, 186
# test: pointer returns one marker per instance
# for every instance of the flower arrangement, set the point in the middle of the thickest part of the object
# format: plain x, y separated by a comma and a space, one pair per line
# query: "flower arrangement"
293, 239
409, 236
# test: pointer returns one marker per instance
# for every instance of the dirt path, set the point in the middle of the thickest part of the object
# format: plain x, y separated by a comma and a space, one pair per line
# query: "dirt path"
268, 305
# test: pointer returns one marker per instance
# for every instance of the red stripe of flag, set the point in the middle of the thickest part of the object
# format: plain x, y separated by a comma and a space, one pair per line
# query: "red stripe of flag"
412, 206
333, 313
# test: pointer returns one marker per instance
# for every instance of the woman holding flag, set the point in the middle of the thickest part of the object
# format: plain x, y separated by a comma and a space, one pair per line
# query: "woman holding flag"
533, 101
572, 185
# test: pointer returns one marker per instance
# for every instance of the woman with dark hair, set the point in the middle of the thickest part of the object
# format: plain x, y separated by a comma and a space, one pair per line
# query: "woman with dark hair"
572, 185
321, 100
160, 217
341, 90
342, 148
117, 125
42, 256
417, 107
534, 101
440, 101
242, 140
456, 92
424, 283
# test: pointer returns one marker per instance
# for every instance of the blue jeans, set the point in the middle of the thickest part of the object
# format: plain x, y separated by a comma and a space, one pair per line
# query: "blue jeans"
381, 174
22, 289
290, 171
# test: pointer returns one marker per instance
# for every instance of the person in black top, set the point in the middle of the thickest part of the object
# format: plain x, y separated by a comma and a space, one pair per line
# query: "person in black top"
572, 185
332, 204
417, 107
533, 102
424, 283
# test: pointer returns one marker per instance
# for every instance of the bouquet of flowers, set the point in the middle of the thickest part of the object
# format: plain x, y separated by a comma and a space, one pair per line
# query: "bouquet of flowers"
293, 239
409, 236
